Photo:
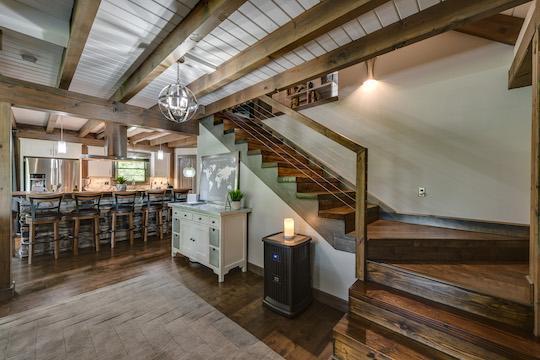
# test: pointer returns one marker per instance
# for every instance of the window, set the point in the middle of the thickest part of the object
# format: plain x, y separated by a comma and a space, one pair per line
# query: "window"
133, 170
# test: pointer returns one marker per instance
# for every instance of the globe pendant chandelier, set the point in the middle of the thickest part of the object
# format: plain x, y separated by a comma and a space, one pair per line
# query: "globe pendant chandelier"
176, 101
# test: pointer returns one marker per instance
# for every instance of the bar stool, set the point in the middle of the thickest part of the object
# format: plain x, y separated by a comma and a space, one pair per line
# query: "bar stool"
154, 202
180, 195
124, 205
44, 209
86, 208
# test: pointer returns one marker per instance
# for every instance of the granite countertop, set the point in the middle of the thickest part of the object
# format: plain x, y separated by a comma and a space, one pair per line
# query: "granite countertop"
70, 193
209, 208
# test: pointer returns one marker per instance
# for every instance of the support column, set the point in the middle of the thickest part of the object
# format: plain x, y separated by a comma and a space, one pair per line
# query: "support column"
534, 253
6, 284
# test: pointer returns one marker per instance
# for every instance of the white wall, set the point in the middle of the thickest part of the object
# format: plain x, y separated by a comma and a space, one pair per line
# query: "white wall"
440, 117
333, 271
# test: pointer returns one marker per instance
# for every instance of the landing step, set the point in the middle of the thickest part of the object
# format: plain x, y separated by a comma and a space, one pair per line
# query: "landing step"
440, 327
362, 340
444, 292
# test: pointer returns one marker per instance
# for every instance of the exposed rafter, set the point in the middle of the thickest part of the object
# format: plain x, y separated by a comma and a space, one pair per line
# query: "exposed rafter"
167, 138
51, 123
501, 28
29, 95
36, 132
435, 20
204, 17
520, 73
143, 136
89, 127
82, 18
309, 25
184, 143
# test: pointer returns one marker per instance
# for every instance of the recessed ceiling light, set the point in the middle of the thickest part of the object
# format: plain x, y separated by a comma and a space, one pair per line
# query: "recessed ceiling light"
29, 58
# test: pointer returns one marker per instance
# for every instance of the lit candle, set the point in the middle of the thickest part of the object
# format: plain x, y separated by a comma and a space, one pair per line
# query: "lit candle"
288, 228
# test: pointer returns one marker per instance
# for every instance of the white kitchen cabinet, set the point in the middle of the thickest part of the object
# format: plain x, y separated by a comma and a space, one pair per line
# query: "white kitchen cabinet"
99, 168
48, 149
210, 235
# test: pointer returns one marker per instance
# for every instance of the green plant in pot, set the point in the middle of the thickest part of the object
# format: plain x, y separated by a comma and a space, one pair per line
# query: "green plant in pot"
121, 183
236, 199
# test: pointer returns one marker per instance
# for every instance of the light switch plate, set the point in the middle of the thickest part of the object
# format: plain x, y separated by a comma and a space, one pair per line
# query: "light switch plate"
421, 192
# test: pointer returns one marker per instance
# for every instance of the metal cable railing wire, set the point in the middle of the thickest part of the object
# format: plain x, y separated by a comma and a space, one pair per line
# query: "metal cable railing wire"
251, 131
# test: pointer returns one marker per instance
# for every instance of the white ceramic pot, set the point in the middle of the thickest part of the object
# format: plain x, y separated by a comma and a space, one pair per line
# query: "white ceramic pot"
121, 187
236, 205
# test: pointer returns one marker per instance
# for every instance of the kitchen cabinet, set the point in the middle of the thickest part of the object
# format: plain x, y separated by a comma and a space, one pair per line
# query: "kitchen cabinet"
99, 168
210, 235
48, 149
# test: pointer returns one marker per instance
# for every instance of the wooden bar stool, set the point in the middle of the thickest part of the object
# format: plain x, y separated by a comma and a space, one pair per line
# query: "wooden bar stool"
86, 208
154, 202
44, 209
124, 205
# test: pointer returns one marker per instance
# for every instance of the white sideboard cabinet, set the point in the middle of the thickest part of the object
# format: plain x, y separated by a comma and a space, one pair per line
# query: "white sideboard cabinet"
210, 235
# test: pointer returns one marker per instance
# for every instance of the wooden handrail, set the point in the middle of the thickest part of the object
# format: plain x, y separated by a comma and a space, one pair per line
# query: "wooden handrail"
361, 176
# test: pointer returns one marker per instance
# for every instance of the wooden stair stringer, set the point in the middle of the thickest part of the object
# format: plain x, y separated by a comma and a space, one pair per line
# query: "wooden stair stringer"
332, 230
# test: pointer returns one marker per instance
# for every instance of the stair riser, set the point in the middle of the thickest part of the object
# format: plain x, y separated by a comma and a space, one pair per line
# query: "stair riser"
420, 333
436, 250
329, 202
493, 308
287, 171
304, 187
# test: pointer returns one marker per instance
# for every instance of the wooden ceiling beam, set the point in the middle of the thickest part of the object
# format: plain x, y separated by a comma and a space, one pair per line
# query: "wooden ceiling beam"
143, 136
145, 146
36, 132
520, 72
90, 126
309, 25
34, 96
52, 122
447, 15
184, 143
501, 28
167, 138
201, 20
82, 18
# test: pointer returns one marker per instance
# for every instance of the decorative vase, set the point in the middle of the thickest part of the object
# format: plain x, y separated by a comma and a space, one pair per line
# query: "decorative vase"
235, 205
121, 187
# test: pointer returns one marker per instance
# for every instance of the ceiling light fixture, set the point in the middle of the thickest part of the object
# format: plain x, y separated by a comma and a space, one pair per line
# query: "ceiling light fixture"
176, 101
160, 153
62, 146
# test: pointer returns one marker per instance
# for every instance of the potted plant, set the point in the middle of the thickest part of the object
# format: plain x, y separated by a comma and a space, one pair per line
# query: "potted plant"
236, 197
121, 183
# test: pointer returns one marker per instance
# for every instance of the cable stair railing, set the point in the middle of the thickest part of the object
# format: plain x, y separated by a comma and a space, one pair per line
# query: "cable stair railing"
257, 126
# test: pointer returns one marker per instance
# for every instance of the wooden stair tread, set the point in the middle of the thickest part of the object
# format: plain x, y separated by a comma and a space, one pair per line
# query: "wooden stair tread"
367, 341
458, 325
487, 279
386, 229
342, 210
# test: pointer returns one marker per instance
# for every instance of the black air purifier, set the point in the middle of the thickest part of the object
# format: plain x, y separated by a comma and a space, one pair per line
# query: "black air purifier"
287, 274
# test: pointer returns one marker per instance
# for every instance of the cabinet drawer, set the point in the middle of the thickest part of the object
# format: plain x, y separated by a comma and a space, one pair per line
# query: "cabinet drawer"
200, 218
214, 257
213, 221
185, 215
176, 225
214, 237
176, 241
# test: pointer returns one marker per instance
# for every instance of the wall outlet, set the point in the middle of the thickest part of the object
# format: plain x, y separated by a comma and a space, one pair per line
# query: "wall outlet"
421, 192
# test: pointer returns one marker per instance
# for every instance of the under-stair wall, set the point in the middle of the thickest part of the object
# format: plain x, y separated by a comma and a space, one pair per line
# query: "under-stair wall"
333, 270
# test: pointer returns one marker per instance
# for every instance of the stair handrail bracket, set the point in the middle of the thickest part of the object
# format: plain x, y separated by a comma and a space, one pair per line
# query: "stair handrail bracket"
361, 176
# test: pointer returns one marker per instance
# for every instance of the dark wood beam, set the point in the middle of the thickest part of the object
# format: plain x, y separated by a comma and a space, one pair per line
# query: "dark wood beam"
520, 73
36, 132
89, 127
82, 18
34, 96
202, 19
51, 123
435, 20
190, 142
145, 146
167, 138
143, 136
6, 289
501, 28
309, 25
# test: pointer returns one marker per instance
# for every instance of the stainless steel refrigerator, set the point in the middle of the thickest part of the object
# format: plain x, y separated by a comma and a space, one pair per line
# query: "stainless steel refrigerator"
51, 174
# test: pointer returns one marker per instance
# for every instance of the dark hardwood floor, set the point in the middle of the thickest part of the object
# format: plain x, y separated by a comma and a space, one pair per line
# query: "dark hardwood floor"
47, 281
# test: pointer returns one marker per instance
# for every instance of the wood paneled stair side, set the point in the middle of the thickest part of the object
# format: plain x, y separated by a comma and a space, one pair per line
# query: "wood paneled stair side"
324, 200
445, 331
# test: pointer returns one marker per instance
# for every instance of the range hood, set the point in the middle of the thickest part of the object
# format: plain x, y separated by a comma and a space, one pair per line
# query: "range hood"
116, 143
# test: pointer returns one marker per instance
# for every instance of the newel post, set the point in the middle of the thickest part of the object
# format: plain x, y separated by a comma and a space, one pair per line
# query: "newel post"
361, 209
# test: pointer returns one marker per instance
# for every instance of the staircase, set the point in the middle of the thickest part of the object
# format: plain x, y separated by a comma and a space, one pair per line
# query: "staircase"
325, 200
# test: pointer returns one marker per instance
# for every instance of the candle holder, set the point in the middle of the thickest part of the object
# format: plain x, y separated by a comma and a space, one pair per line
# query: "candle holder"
288, 228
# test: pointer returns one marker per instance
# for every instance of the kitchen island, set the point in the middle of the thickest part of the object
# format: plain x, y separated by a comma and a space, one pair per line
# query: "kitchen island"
44, 233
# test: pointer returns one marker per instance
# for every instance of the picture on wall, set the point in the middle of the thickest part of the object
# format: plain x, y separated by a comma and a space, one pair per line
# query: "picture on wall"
219, 175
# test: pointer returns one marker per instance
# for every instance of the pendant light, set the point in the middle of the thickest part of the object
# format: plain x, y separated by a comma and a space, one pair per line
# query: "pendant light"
160, 153
62, 146
176, 102
189, 171
370, 82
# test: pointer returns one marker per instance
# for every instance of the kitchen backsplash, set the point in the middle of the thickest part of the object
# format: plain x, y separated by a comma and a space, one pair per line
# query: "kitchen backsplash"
102, 183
